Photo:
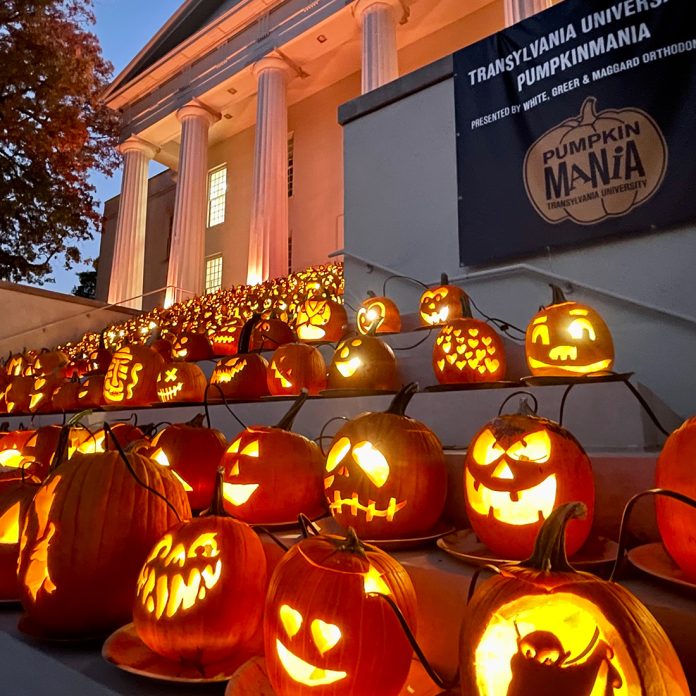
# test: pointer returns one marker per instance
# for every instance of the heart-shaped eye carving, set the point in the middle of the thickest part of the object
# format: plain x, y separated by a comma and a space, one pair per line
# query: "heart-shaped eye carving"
325, 635
291, 619
372, 462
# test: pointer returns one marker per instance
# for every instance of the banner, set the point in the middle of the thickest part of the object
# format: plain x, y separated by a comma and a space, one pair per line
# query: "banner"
576, 125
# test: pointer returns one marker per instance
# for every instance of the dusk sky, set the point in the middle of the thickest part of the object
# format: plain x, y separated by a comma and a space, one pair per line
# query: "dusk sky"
123, 27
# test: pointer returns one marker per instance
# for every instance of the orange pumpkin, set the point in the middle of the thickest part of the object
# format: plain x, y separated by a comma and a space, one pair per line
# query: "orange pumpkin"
568, 339
224, 340
294, 367
468, 351
66, 396
100, 357
50, 362
181, 382
191, 347
319, 319
380, 311
363, 362
131, 379
269, 334
18, 394
518, 469
91, 394
441, 304
540, 627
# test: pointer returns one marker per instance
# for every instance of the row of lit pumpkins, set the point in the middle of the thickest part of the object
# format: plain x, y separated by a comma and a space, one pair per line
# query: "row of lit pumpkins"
202, 590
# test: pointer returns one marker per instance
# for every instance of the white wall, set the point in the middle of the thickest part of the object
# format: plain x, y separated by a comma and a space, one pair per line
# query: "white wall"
401, 212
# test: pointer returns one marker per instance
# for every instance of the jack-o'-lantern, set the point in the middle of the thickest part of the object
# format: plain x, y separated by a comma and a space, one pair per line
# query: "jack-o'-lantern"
271, 474
191, 347
556, 172
319, 319
294, 367
162, 342
468, 351
66, 396
16, 364
385, 473
518, 469
568, 339
18, 394
269, 334
193, 453
540, 627
14, 501
131, 379
201, 591
363, 362
242, 376
91, 394
50, 362
675, 521
224, 340
326, 629
100, 357
181, 381
91, 510
441, 304
379, 311
41, 448
42, 392
13, 463
77, 367
124, 434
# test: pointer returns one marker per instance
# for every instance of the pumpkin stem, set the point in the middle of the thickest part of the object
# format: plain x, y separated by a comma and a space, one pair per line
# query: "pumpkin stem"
558, 295
371, 294
217, 504
525, 409
197, 421
402, 399
352, 544
245, 333
285, 423
466, 307
372, 328
588, 111
549, 553
444, 279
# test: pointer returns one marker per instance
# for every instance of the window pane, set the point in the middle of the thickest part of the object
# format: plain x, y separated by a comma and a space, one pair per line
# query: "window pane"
213, 274
217, 189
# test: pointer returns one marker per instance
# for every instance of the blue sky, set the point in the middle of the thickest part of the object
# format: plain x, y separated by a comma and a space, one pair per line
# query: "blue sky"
123, 27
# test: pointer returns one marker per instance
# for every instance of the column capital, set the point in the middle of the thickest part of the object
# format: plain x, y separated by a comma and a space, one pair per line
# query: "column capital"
197, 109
399, 7
136, 144
273, 62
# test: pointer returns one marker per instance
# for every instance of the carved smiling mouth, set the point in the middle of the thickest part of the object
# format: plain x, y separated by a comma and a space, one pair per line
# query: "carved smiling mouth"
169, 393
304, 673
348, 367
311, 333
513, 507
238, 493
284, 382
436, 317
226, 373
370, 510
583, 369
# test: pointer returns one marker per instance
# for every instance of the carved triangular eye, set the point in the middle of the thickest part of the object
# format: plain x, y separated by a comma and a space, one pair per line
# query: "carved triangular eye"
535, 447
372, 462
325, 635
291, 619
486, 448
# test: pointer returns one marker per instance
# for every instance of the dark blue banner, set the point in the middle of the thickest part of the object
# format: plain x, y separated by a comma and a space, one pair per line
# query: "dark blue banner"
575, 125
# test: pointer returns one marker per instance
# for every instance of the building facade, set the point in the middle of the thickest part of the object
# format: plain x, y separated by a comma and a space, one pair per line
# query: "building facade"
239, 99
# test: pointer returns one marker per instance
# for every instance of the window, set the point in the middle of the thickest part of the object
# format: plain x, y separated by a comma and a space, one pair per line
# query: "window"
291, 163
213, 274
217, 190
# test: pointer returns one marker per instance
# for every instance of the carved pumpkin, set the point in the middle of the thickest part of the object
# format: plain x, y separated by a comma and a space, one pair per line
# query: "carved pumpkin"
77, 367
193, 453
100, 357
224, 340
441, 304
271, 474
191, 347
326, 632
66, 396
14, 501
91, 394
50, 362
379, 311
101, 441
131, 379
554, 171
12, 459
16, 364
18, 394
181, 382
568, 339
518, 469
40, 449
242, 376
89, 512
41, 399
319, 319
385, 473
294, 367
468, 351
269, 334
676, 522
540, 627
363, 362
201, 591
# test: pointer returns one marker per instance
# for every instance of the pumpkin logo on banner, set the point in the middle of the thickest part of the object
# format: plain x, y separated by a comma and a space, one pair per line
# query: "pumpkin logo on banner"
596, 165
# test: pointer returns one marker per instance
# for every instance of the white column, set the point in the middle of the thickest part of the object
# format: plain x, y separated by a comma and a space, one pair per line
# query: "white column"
517, 10
268, 231
128, 261
380, 62
187, 251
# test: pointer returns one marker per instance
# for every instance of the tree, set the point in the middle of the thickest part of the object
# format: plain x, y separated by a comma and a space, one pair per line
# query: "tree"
53, 130
88, 283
